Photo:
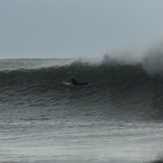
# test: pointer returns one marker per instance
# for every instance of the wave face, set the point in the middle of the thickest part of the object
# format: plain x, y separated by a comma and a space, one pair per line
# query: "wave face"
116, 91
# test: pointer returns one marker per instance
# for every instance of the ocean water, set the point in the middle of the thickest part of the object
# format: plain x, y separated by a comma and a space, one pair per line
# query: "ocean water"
118, 118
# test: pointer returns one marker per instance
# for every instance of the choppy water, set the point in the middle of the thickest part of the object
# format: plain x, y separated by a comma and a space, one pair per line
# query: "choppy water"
117, 118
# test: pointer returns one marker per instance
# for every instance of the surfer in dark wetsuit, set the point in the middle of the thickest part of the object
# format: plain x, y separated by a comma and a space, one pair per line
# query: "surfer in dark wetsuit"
75, 82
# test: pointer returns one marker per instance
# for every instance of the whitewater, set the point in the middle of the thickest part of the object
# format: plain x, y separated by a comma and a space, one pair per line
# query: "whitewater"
117, 119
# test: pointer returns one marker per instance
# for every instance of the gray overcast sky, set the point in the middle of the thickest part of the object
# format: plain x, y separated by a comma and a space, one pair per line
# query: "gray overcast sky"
71, 28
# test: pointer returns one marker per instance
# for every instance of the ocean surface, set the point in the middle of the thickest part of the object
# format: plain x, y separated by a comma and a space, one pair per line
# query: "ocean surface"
118, 118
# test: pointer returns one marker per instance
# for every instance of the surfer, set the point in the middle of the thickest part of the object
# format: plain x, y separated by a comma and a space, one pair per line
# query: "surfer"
75, 82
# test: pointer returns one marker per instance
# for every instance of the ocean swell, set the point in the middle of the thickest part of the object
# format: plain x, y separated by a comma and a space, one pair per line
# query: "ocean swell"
115, 90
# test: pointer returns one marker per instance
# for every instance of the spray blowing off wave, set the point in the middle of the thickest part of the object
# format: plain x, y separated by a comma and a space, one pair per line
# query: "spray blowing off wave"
148, 54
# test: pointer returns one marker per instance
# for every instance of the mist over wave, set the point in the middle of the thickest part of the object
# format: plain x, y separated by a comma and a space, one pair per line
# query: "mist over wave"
149, 56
